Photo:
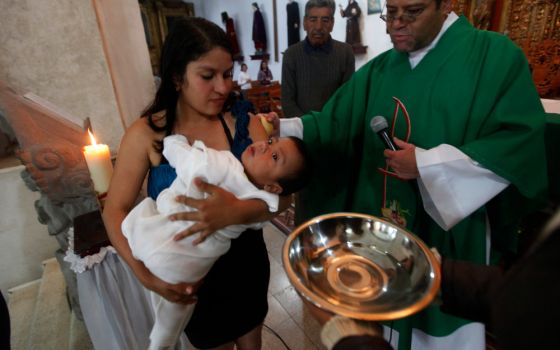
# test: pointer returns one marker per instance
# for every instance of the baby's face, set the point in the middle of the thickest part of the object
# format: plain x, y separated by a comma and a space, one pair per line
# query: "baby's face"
266, 162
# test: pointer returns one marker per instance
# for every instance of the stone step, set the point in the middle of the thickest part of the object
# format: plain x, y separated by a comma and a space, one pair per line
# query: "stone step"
21, 305
50, 328
79, 337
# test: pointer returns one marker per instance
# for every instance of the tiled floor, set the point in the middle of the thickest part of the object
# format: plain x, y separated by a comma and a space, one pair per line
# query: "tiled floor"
287, 316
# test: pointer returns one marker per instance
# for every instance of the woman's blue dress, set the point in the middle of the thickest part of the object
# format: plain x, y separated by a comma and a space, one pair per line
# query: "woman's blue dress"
232, 299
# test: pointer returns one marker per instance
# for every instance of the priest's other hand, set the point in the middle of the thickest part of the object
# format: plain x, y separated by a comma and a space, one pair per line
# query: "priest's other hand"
403, 161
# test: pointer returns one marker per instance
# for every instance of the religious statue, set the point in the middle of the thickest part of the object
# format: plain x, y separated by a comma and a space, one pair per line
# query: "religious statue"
292, 9
259, 31
232, 36
352, 13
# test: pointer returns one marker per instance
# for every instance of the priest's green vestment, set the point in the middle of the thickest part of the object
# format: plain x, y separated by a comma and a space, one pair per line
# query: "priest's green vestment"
473, 91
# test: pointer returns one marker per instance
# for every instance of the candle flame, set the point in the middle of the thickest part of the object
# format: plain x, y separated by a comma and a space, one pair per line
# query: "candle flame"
93, 142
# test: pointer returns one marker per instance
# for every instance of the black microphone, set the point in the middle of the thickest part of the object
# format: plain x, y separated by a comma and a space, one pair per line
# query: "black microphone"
379, 125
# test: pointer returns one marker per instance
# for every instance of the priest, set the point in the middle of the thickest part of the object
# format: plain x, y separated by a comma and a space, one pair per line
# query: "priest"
469, 128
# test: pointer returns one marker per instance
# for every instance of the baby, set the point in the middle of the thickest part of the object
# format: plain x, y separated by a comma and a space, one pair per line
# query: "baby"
267, 169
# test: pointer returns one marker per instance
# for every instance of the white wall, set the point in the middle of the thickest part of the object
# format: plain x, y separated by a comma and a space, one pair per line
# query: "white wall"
24, 242
87, 58
54, 49
372, 28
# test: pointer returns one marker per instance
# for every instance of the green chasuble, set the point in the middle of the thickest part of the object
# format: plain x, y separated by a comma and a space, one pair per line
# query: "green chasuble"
473, 91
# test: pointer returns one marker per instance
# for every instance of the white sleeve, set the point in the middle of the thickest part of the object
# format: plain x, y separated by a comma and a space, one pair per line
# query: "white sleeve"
291, 127
226, 171
175, 147
452, 185
188, 161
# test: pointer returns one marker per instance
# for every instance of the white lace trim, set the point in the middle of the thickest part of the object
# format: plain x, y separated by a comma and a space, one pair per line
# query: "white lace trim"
79, 264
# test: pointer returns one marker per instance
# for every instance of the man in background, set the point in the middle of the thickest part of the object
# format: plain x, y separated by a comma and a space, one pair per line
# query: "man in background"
315, 67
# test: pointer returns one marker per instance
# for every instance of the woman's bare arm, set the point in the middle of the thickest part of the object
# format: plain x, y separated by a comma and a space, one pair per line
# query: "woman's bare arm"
131, 168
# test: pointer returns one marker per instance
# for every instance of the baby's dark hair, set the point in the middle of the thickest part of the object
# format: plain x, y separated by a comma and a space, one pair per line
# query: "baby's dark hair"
298, 180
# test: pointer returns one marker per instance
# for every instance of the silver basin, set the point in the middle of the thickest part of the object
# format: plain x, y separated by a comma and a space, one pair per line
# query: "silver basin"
360, 266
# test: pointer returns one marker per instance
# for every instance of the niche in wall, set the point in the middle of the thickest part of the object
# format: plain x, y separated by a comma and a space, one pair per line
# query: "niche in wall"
158, 17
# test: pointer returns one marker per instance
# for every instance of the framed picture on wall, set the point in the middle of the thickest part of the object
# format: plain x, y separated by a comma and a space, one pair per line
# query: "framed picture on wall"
169, 12
158, 17
148, 27
373, 6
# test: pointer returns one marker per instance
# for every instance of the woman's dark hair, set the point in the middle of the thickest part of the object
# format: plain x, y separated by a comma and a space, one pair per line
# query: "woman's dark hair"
189, 39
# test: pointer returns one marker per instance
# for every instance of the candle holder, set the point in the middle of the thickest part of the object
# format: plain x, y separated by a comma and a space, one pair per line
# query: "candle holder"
101, 200
100, 166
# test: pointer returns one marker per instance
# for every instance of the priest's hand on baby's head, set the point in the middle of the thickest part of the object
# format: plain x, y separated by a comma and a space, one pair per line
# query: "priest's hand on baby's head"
271, 123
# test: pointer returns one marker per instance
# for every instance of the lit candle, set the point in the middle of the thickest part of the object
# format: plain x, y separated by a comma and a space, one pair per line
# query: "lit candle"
98, 159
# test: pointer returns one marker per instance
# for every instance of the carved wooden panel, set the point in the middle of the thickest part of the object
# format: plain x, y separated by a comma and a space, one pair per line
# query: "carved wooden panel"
462, 7
535, 26
50, 148
8, 142
483, 14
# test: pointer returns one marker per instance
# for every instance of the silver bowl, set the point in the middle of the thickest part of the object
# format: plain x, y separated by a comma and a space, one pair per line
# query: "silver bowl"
360, 266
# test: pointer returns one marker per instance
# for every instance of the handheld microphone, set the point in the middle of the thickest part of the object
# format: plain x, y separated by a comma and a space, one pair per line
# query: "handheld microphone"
379, 125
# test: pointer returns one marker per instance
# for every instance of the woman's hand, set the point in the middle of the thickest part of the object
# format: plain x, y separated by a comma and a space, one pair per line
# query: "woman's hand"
215, 212
180, 293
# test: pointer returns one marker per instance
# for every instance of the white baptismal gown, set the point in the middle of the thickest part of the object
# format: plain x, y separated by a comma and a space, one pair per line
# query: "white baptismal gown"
150, 233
